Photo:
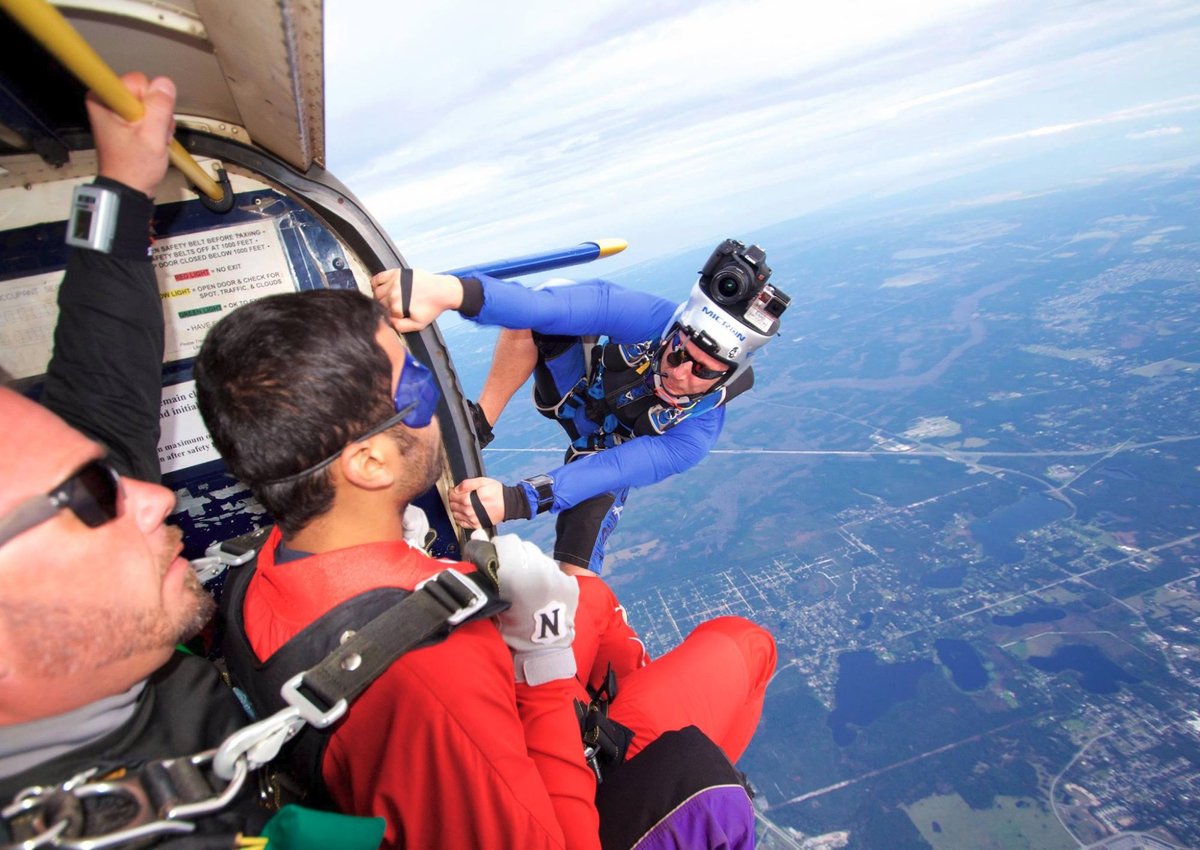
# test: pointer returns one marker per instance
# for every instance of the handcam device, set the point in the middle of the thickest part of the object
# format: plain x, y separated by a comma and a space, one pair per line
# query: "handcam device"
735, 277
93, 219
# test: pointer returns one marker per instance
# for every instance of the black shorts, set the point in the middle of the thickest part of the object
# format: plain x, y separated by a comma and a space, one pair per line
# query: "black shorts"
581, 531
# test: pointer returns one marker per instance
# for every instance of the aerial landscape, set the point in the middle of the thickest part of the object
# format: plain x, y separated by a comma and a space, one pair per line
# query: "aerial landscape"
963, 493
963, 496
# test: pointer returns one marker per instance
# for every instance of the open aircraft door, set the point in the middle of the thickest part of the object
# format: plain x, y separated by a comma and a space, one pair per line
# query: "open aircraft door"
250, 105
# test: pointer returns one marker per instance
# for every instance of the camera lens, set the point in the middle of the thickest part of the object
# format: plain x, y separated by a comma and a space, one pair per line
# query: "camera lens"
730, 286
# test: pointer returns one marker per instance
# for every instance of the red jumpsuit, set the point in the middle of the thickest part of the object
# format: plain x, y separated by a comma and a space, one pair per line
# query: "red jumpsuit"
435, 745
716, 679
451, 753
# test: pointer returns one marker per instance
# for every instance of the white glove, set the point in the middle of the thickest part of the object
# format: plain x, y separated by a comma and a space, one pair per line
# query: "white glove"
540, 625
416, 527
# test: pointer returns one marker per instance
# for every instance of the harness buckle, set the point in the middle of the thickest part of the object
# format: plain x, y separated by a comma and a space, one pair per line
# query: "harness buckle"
258, 743
591, 755
308, 710
564, 408
217, 801
452, 597
605, 741
217, 559
157, 797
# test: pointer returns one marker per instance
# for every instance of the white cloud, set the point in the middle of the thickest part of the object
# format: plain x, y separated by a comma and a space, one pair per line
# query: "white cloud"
910, 279
1169, 167
469, 128
1000, 198
436, 190
1156, 133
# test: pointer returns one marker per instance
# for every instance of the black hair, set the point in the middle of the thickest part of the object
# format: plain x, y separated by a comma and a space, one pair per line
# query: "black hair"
288, 380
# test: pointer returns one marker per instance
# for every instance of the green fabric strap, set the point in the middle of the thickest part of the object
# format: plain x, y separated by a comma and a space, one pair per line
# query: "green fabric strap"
297, 828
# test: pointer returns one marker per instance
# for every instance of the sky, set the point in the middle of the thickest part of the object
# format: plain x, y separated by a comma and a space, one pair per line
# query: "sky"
475, 131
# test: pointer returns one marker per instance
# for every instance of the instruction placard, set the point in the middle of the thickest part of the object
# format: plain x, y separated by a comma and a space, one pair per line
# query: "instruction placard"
184, 440
28, 311
203, 276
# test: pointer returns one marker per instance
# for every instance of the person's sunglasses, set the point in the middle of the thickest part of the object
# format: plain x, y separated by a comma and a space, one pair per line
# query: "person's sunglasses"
679, 354
416, 400
92, 493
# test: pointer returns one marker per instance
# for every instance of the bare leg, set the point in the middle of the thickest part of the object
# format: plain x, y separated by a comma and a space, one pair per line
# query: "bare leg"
512, 364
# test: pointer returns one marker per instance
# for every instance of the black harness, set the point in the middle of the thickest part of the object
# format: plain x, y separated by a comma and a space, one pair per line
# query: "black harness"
347, 648
616, 393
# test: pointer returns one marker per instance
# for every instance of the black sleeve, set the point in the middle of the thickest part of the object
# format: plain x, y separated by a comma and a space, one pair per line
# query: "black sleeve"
105, 378
472, 301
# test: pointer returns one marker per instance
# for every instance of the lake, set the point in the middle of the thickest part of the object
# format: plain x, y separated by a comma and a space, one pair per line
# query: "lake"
998, 531
866, 689
963, 662
1037, 614
1098, 675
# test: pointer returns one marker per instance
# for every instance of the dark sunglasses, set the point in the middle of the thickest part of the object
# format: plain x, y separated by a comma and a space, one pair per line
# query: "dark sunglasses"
679, 354
92, 493
416, 400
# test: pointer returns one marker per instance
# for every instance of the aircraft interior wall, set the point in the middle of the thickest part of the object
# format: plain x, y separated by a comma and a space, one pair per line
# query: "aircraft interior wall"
207, 264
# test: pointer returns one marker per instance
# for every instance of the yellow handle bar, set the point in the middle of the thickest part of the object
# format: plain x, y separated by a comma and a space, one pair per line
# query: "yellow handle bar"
50, 29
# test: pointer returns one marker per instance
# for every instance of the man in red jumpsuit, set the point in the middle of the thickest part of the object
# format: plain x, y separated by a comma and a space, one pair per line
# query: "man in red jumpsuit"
316, 405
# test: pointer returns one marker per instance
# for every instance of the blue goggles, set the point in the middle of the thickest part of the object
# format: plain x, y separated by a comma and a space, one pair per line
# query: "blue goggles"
416, 400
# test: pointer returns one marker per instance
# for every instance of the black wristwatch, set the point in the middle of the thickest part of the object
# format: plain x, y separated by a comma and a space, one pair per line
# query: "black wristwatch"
543, 486
110, 217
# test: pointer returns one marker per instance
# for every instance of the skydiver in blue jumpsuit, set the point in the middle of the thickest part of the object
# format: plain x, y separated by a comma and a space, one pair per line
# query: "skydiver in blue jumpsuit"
637, 382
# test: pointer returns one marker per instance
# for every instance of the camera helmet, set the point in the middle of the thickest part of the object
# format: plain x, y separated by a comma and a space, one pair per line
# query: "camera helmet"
715, 331
732, 310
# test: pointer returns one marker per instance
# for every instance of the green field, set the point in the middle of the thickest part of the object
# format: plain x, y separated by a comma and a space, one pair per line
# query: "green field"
1004, 826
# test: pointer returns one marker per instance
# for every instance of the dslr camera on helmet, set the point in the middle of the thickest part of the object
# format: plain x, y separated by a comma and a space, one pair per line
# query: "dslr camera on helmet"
735, 277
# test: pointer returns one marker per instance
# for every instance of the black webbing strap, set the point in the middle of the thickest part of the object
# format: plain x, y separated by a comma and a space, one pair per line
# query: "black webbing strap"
481, 513
406, 280
605, 741
446, 600
337, 656
170, 803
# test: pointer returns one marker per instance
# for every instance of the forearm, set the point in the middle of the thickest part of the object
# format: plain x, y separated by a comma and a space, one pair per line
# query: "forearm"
639, 462
105, 377
513, 362
587, 308
553, 738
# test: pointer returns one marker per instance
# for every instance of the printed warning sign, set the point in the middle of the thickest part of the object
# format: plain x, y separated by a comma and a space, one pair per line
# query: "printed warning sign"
28, 311
204, 276
184, 440
201, 277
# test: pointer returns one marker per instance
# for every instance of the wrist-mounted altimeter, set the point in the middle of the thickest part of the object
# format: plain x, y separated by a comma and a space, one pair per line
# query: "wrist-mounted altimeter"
93, 219
543, 486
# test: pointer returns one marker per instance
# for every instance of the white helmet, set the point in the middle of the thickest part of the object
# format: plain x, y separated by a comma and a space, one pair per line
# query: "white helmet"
732, 310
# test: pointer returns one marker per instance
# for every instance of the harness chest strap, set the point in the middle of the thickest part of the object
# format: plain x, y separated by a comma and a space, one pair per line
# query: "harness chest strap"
320, 695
